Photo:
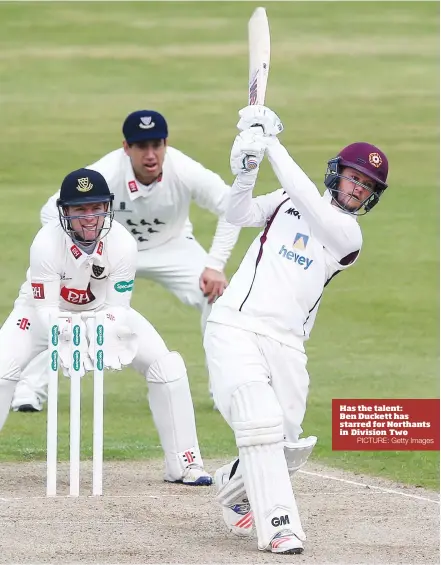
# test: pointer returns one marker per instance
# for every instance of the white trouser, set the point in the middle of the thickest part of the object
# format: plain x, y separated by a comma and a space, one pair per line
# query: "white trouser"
260, 386
236, 357
176, 265
22, 338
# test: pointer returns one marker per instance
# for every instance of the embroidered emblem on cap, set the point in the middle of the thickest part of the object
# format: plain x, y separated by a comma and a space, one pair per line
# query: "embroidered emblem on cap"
375, 159
84, 185
146, 123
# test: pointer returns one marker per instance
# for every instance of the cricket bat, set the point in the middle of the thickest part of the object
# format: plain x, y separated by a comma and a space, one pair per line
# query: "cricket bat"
259, 56
259, 46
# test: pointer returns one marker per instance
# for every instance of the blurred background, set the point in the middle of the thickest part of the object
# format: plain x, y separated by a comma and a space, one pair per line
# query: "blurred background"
340, 72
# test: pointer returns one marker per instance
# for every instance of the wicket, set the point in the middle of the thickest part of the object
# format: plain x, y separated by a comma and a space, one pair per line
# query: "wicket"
75, 404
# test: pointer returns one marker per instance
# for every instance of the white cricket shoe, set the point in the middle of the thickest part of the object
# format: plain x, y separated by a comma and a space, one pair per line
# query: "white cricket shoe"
195, 475
34, 405
238, 517
285, 542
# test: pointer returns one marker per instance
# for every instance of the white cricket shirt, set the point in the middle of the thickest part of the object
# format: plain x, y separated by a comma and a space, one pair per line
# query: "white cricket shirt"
305, 241
63, 277
156, 213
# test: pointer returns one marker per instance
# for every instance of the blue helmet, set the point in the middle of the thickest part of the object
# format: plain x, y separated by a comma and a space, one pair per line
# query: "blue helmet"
84, 186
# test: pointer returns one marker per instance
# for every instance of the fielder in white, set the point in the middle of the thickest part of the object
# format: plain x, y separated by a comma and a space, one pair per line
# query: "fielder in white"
154, 185
84, 261
254, 339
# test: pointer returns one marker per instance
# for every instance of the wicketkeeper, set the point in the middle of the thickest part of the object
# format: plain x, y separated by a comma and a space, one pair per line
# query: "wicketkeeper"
254, 340
154, 185
81, 262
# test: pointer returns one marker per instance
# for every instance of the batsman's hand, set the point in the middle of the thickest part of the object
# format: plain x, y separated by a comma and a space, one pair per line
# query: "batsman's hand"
120, 343
247, 152
212, 283
66, 349
261, 116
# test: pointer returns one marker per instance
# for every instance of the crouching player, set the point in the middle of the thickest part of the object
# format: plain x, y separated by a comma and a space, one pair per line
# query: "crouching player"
82, 262
254, 340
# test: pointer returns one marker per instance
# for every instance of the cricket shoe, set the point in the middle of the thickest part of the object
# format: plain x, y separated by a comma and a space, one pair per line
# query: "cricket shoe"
195, 475
285, 542
238, 517
31, 406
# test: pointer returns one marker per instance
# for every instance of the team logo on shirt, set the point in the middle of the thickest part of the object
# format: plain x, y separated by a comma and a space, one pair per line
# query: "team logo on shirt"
97, 272
84, 185
300, 241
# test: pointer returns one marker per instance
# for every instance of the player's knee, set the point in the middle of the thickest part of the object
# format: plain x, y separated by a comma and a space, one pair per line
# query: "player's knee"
167, 368
256, 415
9, 367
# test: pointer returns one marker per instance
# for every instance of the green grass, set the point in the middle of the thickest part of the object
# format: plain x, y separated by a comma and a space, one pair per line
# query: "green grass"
341, 72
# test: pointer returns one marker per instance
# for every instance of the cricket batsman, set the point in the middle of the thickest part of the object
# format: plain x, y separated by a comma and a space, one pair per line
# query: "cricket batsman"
255, 335
154, 185
85, 261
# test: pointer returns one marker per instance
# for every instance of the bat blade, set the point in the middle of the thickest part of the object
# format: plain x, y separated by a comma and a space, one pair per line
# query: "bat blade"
259, 47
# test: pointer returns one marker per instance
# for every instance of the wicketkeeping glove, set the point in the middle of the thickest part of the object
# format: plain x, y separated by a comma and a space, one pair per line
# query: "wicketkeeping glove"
72, 340
268, 120
120, 343
247, 152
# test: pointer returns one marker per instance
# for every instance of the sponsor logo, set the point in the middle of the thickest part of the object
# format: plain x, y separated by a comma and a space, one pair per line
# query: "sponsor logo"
300, 241
188, 456
293, 212
301, 260
76, 333
54, 335
38, 290
75, 251
252, 96
99, 250
146, 123
84, 185
99, 360
75, 296
23, 323
76, 360
124, 286
54, 360
133, 187
280, 520
100, 334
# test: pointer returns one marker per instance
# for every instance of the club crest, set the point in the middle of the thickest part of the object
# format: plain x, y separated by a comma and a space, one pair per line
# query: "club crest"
84, 185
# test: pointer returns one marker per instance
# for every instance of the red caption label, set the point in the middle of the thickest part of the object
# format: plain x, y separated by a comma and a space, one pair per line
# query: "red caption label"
409, 424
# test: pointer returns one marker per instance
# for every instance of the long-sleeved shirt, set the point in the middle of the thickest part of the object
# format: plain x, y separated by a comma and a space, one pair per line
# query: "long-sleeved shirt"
62, 277
159, 212
305, 241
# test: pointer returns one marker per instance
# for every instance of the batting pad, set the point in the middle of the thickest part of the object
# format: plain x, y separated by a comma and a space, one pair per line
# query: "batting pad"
173, 413
257, 421
297, 454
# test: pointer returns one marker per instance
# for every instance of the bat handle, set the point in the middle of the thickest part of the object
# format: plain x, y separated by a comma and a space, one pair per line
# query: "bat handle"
250, 162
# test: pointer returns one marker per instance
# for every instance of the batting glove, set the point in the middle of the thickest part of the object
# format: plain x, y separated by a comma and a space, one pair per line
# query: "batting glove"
247, 152
262, 116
